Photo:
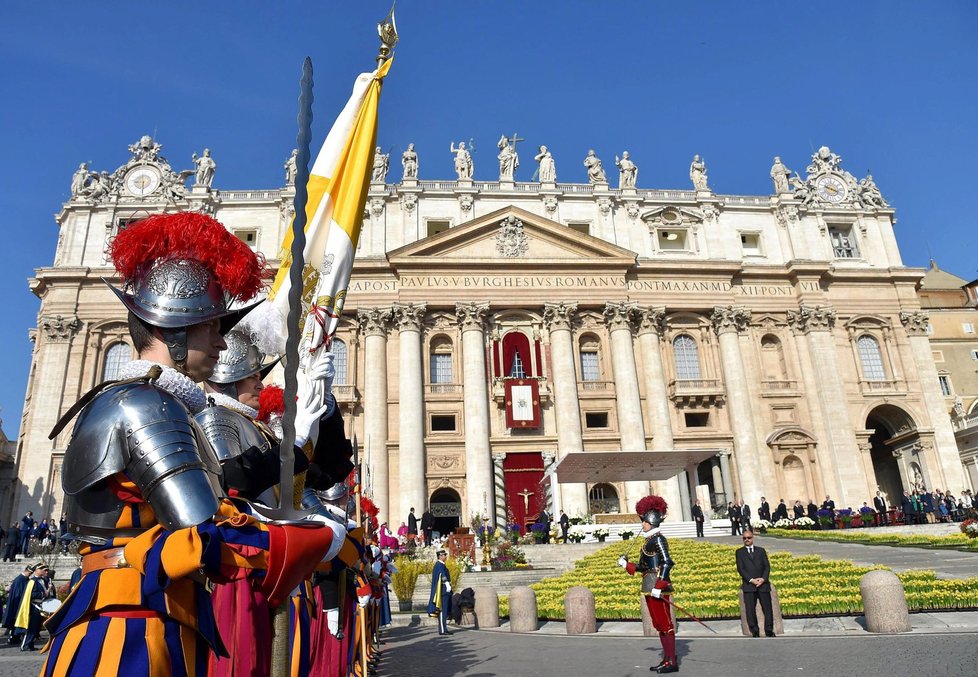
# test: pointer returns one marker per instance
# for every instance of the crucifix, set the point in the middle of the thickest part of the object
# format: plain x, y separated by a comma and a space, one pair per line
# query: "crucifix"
515, 140
526, 499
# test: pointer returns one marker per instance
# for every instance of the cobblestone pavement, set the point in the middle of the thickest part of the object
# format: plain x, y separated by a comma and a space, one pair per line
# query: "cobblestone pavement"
16, 663
419, 651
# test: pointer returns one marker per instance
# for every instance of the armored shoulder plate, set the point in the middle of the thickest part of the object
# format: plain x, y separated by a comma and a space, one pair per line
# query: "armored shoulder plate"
147, 434
229, 433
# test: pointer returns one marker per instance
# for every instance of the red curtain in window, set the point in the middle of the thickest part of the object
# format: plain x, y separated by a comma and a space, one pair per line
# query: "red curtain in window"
516, 342
524, 476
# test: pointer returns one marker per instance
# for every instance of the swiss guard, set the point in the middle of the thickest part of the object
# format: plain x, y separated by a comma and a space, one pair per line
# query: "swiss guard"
655, 564
142, 484
440, 600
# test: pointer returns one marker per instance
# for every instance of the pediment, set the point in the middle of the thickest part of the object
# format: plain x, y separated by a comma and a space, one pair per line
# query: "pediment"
512, 237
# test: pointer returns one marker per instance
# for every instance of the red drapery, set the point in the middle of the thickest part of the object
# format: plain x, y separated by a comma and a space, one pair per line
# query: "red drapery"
523, 472
517, 342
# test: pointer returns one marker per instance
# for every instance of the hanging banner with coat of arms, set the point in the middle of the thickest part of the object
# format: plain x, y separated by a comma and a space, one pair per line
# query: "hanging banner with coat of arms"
522, 403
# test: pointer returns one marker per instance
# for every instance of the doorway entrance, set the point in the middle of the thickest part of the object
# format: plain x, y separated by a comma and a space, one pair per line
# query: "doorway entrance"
892, 430
446, 509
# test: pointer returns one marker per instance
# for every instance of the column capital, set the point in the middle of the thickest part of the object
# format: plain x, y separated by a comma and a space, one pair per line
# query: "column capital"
408, 316
652, 320
374, 321
471, 316
915, 322
498, 459
59, 328
619, 315
548, 458
730, 319
558, 315
812, 318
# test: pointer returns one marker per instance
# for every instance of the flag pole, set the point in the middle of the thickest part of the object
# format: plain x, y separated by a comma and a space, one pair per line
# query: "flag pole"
280, 639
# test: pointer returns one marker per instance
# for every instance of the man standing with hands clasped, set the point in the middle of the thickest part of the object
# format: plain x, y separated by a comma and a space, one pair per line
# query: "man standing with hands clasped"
754, 569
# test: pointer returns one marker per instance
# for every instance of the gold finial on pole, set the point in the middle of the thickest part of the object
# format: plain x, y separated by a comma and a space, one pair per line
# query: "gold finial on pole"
387, 30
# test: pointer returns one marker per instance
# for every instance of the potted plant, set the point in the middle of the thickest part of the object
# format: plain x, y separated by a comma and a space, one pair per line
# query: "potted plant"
625, 535
845, 517
575, 536
601, 534
866, 515
826, 517
404, 581
539, 531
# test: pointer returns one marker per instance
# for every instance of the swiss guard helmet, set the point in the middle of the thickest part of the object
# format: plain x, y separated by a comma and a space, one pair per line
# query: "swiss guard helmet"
183, 269
238, 361
652, 509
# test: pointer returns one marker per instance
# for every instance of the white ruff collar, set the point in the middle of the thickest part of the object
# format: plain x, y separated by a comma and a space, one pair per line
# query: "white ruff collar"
231, 403
650, 532
171, 380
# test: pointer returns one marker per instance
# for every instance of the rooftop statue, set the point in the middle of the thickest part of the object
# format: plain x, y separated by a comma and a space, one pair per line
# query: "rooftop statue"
205, 168
781, 176
290, 168
381, 165
548, 168
409, 160
627, 170
595, 172
463, 161
509, 160
697, 173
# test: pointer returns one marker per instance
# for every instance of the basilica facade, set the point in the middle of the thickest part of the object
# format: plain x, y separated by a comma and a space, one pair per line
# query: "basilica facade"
492, 328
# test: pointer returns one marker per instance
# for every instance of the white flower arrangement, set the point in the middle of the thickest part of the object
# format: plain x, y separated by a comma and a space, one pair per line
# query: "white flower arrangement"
762, 525
782, 523
598, 533
804, 522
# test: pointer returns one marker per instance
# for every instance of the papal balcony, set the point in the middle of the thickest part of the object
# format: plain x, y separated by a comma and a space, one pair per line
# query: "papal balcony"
443, 391
591, 389
696, 392
881, 386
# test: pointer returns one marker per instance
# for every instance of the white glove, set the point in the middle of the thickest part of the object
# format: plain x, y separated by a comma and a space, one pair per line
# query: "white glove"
362, 600
656, 593
310, 409
448, 586
623, 561
332, 620
322, 371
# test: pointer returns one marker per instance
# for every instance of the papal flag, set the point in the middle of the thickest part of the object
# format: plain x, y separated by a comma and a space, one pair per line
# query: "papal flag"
338, 184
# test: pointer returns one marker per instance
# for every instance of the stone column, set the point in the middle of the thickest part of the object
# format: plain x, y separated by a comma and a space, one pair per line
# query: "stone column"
499, 487
618, 316
410, 399
717, 476
558, 317
685, 513
729, 322
478, 459
650, 330
55, 332
840, 445
374, 323
728, 488
548, 483
948, 459
693, 479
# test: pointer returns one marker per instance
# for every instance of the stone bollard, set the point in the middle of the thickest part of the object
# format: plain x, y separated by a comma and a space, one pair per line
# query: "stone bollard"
579, 616
522, 610
647, 629
775, 609
486, 608
884, 602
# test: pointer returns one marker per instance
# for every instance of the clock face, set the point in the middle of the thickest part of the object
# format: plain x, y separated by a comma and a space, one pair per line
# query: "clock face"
142, 181
831, 189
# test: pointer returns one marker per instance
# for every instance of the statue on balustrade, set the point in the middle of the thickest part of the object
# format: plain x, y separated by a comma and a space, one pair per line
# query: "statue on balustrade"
463, 161
548, 168
595, 172
409, 160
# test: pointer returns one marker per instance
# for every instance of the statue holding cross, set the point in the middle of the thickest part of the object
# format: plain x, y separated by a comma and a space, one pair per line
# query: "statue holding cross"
509, 160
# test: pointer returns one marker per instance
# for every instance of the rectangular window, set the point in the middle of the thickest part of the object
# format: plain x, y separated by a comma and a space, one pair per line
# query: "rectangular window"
968, 327
436, 226
750, 244
441, 368
930, 329
974, 354
843, 242
697, 419
945, 385
672, 239
442, 423
590, 371
596, 419
580, 226
249, 236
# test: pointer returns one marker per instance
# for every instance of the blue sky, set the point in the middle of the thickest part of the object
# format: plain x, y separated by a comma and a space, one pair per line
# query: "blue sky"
890, 86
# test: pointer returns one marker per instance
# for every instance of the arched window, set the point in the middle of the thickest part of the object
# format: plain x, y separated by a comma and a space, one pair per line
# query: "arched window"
590, 364
871, 358
116, 357
341, 359
772, 359
441, 360
687, 358
603, 498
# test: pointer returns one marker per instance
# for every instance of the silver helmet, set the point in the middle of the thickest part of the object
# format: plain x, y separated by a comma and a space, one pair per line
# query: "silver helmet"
240, 360
179, 293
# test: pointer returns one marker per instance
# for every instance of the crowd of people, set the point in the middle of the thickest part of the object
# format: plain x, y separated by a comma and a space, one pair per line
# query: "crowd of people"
29, 536
920, 506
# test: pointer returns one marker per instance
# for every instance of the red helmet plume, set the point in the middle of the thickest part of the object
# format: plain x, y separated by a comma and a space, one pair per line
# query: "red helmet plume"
651, 504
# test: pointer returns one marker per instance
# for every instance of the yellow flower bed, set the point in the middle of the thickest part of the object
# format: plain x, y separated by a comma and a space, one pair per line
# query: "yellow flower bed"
706, 584
881, 537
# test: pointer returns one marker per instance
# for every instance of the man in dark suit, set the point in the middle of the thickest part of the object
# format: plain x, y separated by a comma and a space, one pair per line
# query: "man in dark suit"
881, 507
764, 512
412, 526
744, 517
733, 512
427, 524
545, 519
781, 512
754, 569
699, 518
828, 504
564, 525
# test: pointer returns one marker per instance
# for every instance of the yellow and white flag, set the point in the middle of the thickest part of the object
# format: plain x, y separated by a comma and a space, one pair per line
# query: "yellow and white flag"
338, 185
